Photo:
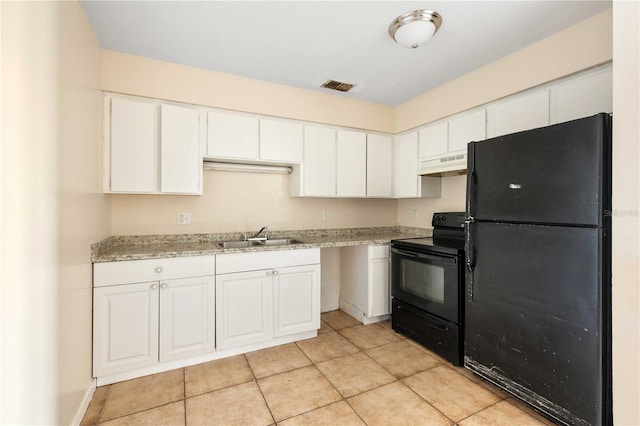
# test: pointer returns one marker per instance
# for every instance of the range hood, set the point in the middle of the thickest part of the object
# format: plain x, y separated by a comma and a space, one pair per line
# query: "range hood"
454, 162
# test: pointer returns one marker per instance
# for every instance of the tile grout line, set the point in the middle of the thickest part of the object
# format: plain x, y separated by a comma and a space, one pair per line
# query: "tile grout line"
184, 394
102, 405
264, 399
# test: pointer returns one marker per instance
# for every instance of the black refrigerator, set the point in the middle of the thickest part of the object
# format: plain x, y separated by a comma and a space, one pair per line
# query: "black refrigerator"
538, 267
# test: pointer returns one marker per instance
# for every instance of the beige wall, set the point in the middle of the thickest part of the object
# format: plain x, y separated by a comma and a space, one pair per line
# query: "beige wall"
29, 213
51, 208
582, 46
157, 79
576, 48
626, 205
83, 211
239, 201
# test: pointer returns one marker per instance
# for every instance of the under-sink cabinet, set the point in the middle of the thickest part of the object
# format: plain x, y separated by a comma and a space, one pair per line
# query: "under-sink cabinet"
152, 311
265, 295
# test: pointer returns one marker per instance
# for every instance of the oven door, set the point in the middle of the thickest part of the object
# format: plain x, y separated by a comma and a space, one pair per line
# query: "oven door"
428, 281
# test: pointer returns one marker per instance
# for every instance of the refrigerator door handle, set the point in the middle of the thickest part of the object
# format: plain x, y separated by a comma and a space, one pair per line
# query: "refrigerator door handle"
469, 244
470, 257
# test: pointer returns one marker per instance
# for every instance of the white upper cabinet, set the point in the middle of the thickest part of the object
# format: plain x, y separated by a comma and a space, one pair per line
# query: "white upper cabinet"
408, 184
180, 158
583, 96
232, 136
131, 126
442, 145
519, 113
433, 140
379, 165
466, 128
152, 148
351, 164
319, 166
280, 141
407, 165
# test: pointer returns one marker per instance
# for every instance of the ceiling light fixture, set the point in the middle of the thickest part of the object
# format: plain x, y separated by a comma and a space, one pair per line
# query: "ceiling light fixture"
414, 28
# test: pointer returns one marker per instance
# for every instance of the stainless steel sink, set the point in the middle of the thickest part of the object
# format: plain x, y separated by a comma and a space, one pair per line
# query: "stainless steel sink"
245, 244
281, 242
239, 244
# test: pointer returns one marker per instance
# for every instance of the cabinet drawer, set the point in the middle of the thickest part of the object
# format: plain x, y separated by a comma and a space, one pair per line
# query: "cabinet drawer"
239, 262
378, 251
134, 271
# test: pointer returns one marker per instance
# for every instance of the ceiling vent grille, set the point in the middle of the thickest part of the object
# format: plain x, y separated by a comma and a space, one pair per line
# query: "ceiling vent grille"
338, 85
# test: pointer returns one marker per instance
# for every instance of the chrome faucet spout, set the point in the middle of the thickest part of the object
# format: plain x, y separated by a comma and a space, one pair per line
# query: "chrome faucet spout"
264, 228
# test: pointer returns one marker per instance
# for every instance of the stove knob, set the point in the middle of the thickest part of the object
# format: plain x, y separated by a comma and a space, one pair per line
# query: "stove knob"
444, 218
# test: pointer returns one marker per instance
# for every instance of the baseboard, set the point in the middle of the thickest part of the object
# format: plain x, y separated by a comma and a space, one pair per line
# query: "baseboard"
353, 310
329, 302
84, 404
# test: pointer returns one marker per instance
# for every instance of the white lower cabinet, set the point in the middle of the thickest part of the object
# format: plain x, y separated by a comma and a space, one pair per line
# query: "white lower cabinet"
265, 295
244, 308
296, 299
364, 282
125, 327
157, 319
186, 317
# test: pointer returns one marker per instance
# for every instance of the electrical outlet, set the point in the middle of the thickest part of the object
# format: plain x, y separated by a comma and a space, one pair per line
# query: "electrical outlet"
414, 213
184, 218
325, 214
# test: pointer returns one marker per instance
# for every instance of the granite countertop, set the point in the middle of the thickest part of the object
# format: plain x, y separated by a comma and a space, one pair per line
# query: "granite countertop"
137, 247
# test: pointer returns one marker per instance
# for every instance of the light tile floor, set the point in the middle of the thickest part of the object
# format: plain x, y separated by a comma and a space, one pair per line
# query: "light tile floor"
349, 375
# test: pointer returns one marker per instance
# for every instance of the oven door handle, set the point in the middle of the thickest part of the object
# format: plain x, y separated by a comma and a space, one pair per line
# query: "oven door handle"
435, 259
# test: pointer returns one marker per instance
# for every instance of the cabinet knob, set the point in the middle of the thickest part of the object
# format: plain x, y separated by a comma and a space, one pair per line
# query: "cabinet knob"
158, 269
163, 285
275, 272
269, 273
154, 286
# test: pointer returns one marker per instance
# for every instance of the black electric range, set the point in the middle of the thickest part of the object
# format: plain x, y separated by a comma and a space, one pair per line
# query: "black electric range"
427, 287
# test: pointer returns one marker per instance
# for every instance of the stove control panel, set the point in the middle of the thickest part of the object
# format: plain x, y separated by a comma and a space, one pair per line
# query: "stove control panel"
448, 220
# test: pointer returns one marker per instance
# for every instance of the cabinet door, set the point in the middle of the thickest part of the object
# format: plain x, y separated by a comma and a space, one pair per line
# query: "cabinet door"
351, 164
582, 97
133, 145
186, 317
379, 295
319, 162
232, 136
244, 308
280, 141
523, 112
125, 327
433, 140
467, 128
407, 165
180, 157
296, 299
379, 165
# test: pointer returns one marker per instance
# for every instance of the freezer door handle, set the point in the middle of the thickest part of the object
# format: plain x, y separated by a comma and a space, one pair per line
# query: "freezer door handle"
471, 178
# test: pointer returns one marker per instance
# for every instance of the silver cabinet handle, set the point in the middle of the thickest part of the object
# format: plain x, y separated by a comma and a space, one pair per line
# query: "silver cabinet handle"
158, 269
275, 272
269, 273
154, 286
163, 285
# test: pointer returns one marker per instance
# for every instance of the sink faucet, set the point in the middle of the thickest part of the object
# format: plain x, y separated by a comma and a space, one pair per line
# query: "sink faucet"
256, 236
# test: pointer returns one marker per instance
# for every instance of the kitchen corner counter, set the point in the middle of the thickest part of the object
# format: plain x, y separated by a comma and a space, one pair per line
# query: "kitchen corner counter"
137, 247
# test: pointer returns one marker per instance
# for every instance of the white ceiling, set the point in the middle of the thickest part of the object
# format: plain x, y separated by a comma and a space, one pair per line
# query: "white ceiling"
304, 43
